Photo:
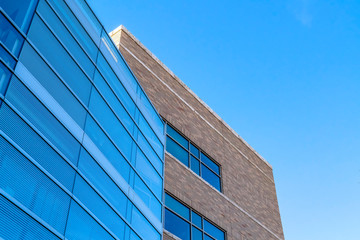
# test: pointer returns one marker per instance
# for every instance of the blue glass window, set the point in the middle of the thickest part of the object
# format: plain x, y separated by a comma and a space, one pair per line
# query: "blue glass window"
210, 177
59, 59
177, 222
5, 75
75, 27
213, 166
177, 151
6, 57
181, 148
9, 36
20, 11
65, 37
177, 137
176, 225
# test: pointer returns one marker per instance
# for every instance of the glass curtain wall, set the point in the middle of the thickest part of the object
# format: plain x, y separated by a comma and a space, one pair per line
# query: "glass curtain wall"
81, 146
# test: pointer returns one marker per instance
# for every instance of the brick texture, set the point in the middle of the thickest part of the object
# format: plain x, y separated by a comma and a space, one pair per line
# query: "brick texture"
247, 208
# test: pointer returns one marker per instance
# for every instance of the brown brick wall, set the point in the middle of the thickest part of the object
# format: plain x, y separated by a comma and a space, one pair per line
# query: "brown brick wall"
248, 184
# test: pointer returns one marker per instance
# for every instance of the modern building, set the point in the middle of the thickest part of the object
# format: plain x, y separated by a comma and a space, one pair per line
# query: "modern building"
216, 185
81, 146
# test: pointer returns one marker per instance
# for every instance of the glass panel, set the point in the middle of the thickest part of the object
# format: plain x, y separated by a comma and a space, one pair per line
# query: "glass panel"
49, 80
210, 163
213, 231
6, 57
102, 182
196, 219
142, 226
206, 237
98, 207
175, 135
195, 165
81, 226
65, 37
19, 225
59, 59
178, 152
151, 136
196, 234
210, 177
20, 11
9, 36
11, 124
43, 120
150, 153
107, 148
5, 75
75, 27
116, 85
27, 184
149, 174
177, 207
177, 226
194, 150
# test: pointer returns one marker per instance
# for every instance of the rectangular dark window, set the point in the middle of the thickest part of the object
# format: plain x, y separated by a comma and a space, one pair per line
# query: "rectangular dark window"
193, 157
188, 227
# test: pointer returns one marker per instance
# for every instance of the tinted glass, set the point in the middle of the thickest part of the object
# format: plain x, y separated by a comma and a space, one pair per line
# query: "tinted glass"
194, 150
210, 163
20, 11
9, 36
6, 57
5, 75
174, 149
177, 207
175, 135
196, 219
195, 165
196, 234
177, 226
210, 177
213, 231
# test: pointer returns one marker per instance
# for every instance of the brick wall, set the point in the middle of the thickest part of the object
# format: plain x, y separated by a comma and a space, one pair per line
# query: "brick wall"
248, 206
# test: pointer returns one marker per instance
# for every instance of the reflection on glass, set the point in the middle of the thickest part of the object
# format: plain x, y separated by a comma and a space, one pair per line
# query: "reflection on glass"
210, 177
177, 207
5, 75
6, 57
20, 11
177, 226
174, 149
9, 36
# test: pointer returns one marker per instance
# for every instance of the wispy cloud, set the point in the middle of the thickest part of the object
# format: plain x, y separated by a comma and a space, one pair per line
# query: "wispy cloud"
302, 11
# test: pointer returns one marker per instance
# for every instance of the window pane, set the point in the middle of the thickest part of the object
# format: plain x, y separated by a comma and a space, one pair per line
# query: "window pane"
210, 177
177, 226
43, 120
20, 11
177, 207
195, 165
194, 150
175, 135
75, 27
213, 231
9, 36
196, 234
59, 59
206, 237
196, 219
19, 225
5, 75
50, 81
142, 226
174, 149
81, 226
210, 163
7, 58
65, 37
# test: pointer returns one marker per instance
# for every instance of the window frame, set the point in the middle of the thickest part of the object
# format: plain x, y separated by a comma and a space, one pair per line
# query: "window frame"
190, 154
190, 221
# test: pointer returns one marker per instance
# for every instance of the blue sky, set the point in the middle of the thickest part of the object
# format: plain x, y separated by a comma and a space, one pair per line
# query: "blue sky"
286, 76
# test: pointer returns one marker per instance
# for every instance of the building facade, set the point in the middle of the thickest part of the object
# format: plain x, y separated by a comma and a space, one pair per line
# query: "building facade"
81, 145
216, 185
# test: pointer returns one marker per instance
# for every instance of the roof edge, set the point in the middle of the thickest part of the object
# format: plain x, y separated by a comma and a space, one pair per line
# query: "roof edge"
123, 28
